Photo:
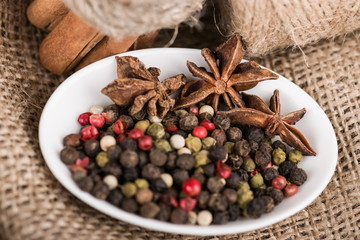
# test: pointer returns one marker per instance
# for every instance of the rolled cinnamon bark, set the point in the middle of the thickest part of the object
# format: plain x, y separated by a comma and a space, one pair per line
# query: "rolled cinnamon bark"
105, 48
145, 40
46, 14
67, 44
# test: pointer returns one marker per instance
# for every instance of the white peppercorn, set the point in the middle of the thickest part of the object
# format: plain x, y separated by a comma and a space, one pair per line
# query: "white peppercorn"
206, 109
111, 181
107, 142
204, 218
167, 178
177, 141
96, 109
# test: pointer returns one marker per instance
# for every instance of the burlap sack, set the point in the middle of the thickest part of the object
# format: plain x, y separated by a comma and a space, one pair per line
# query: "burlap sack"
33, 205
274, 24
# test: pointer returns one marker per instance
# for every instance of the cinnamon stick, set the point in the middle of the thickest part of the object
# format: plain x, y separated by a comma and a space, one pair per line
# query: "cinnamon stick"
145, 40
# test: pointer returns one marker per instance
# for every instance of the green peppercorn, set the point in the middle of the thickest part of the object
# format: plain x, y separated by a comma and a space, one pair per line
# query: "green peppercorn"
208, 143
229, 146
193, 143
141, 183
201, 158
180, 113
163, 145
142, 125
128, 189
101, 159
278, 156
156, 131
243, 186
256, 181
248, 165
244, 198
295, 156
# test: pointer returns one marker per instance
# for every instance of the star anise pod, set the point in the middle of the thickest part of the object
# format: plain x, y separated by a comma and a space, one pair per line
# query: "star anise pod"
138, 86
259, 114
227, 76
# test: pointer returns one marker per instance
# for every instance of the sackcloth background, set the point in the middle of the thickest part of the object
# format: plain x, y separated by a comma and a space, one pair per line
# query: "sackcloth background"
34, 205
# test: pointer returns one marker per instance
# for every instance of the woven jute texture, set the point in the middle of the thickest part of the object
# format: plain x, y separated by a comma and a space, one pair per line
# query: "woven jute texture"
33, 204
273, 24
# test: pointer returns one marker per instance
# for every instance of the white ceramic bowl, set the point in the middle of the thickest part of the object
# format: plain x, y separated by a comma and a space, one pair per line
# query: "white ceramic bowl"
82, 90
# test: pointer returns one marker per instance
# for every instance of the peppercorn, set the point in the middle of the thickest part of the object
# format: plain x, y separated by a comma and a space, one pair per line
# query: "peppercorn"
111, 181
248, 165
164, 213
128, 189
180, 113
142, 125
130, 174
297, 176
158, 185
100, 190
276, 194
235, 161
183, 150
127, 120
179, 176
102, 159
230, 195
106, 142
150, 171
203, 199
234, 212
269, 203
209, 169
167, 178
181, 133
128, 144
144, 195
141, 183
269, 174
178, 216
254, 133
215, 184
218, 202
278, 156
129, 159
234, 180
229, 146
115, 197
185, 161
192, 217
204, 218
295, 156
143, 158
129, 205
92, 147
206, 109
156, 131
163, 145
244, 176
193, 143
157, 157
256, 181
78, 174
233, 134
96, 109
72, 140
149, 210
255, 208
188, 122
220, 136
139, 115
177, 141
279, 144
201, 158
86, 184
218, 153
259, 192
254, 146
242, 147
244, 197
171, 161
206, 115
111, 112
199, 176
286, 167
69, 155
113, 152
222, 121
208, 143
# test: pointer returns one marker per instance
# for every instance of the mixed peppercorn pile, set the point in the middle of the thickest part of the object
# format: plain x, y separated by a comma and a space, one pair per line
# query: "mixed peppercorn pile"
191, 167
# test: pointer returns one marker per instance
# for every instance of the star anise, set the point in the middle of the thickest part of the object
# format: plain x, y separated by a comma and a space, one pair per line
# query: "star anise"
227, 77
259, 114
138, 86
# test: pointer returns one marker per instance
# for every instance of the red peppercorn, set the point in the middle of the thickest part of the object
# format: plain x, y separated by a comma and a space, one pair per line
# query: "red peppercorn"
97, 120
200, 132
170, 127
82, 162
135, 133
83, 118
120, 127
279, 182
144, 142
267, 166
169, 200
223, 170
194, 109
290, 190
187, 203
256, 171
191, 187
107, 119
120, 138
89, 133
207, 124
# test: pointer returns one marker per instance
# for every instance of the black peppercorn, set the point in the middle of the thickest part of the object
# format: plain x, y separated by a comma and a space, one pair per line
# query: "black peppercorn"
86, 184
158, 185
221, 217
218, 202
230, 194
139, 115
263, 155
130, 174
72, 140
259, 192
199, 176
206, 115
178, 216
235, 161
286, 167
188, 122
185, 161
149, 210
171, 161
127, 120
143, 158
69, 155
215, 184
234, 180
242, 147
129, 159
297, 176
234, 212
255, 208
279, 144
209, 169
254, 146
276, 194
112, 168
78, 174
203, 199
218, 153
179, 176
157, 157
269, 203
234, 134
164, 213
222, 121
92, 147
100, 190
115, 197
244, 176
128, 144
269, 174
181, 133
113, 152
112, 112
129, 205
254, 133
220, 136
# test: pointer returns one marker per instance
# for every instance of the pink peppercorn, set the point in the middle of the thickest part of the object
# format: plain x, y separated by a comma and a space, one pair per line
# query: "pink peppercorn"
144, 143
191, 187
200, 132
83, 118
222, 169
120, 127
89, 133
194, 109
135, 133
97, 120
207, 124
188, 203
82, 162
290, 190
279, 182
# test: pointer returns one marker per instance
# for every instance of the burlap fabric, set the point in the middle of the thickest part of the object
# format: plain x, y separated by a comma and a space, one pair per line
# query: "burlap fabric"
33, 204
